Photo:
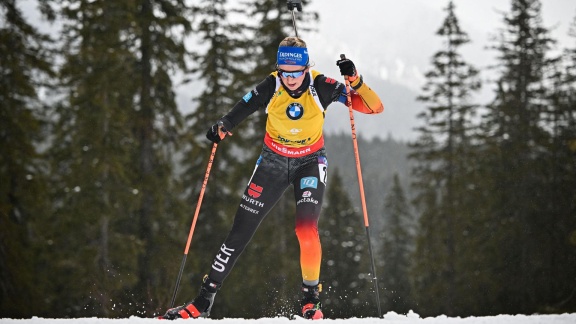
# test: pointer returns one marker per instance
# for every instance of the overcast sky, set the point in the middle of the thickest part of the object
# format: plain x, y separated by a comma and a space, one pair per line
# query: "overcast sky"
397, 38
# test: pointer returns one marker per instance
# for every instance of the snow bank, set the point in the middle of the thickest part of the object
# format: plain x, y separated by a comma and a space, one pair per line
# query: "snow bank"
389, 318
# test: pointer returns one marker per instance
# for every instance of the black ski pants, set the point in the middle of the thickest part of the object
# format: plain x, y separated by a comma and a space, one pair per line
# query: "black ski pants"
272, 175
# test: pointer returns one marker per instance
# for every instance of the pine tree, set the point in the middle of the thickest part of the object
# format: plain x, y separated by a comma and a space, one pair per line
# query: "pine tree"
116, 131
515, 144
157, 126
93, 183
444, 157
566, 140
560, 172
398, 245
25, 64
345, 274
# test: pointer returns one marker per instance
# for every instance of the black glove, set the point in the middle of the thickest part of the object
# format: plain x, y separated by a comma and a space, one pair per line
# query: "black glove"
217, 132
347, 67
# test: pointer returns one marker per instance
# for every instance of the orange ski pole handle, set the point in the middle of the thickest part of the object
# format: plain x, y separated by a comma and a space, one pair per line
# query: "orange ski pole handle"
361, 185
201, 196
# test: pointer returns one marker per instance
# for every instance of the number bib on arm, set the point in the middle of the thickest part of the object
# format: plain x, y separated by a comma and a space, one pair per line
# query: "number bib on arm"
294, 125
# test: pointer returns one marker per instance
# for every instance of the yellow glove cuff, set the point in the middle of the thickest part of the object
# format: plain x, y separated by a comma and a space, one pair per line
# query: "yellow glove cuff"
357, 82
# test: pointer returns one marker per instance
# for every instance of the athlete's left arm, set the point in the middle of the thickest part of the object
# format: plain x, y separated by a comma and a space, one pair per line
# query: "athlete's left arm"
364, 99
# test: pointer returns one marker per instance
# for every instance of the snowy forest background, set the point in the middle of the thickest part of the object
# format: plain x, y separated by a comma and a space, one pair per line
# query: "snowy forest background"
100, 170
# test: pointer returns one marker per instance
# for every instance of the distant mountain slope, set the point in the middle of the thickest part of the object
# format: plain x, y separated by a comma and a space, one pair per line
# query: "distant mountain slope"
380, 160
397, 120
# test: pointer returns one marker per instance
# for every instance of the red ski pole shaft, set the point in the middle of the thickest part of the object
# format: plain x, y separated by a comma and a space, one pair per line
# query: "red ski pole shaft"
201, 196
361, 187
191, 233
356, 152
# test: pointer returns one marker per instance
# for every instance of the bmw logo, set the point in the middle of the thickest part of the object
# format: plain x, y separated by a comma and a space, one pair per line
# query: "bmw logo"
295, 111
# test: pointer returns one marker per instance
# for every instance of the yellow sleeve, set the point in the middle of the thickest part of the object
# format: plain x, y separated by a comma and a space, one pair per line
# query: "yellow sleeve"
364, 99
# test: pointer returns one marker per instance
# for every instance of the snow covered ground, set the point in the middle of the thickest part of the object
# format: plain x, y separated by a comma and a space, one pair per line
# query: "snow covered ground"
389, 318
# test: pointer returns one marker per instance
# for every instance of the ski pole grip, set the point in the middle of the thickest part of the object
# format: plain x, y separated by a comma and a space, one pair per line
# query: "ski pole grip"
343, 57
294, 4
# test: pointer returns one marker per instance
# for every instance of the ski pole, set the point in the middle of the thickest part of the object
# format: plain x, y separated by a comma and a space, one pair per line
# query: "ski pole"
294, 4
204, 184
361, 186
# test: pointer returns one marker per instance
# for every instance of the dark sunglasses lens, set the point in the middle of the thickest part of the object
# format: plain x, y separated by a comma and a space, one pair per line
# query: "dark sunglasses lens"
295, 74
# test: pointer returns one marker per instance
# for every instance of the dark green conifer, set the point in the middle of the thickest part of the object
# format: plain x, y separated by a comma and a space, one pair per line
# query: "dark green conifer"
347, 283
116, 131
397, 248
444, 159
25, 69
516, 165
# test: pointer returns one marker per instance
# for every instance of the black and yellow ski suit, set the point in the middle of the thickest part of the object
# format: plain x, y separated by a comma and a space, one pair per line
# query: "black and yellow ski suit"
293, 154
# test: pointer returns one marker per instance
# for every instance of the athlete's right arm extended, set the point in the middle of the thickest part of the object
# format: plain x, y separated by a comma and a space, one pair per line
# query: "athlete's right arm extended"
255, 99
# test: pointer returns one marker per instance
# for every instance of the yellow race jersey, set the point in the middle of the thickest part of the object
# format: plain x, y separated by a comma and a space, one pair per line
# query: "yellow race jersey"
294, 125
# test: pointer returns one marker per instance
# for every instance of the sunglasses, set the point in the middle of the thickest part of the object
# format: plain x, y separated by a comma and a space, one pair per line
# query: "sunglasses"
292, 74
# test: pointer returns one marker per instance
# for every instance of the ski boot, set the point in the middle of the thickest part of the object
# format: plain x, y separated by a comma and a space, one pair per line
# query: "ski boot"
311, 306
200, 306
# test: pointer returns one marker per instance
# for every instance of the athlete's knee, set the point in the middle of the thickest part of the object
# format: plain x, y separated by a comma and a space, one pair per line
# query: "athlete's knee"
307, 232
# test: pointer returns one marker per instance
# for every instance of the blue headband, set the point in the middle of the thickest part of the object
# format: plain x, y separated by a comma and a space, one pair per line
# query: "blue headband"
292, 56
